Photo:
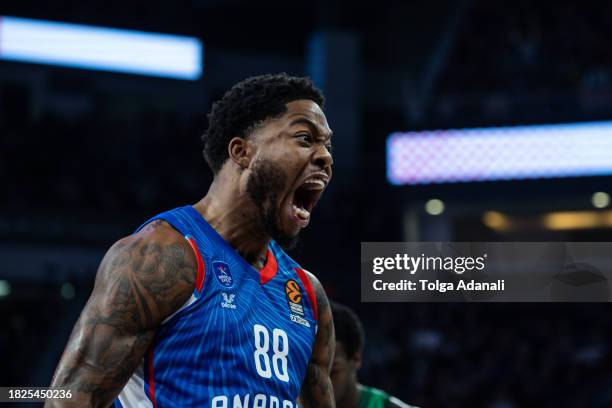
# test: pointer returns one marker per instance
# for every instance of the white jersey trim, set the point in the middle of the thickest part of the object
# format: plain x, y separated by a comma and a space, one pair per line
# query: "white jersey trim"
133, 394
188, 303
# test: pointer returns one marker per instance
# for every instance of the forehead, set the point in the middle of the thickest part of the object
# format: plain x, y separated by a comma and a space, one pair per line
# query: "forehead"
307, 109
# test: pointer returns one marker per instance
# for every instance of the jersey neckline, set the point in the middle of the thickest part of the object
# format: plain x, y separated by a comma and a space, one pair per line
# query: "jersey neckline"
265, 274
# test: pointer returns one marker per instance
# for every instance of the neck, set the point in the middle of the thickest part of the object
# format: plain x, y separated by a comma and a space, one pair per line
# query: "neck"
225, 210
351, 397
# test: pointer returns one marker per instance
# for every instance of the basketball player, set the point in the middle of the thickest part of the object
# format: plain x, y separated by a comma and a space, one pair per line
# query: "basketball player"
349, 347
201, 307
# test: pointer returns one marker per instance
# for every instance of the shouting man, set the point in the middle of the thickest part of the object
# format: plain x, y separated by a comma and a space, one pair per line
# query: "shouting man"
201, 306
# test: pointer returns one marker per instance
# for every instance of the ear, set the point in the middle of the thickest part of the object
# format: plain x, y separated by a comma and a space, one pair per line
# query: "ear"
240, 151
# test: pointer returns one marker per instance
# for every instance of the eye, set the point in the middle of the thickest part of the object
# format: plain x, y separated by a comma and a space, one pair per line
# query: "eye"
305, 137
329, 147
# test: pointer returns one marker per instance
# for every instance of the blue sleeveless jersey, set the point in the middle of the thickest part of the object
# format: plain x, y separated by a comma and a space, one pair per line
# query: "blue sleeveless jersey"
244, 338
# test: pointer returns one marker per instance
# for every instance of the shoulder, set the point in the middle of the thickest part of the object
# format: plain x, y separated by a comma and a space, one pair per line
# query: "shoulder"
314, 281
396, 403
317, 293
156, 239
156, 264
157, 247
158, 232
373, 392
389, 401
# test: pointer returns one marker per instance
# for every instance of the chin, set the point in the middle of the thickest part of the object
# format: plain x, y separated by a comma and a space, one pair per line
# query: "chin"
287, 241
282, 230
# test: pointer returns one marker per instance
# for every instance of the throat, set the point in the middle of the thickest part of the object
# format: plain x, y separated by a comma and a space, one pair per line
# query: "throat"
238, 229
258, 261
352, 398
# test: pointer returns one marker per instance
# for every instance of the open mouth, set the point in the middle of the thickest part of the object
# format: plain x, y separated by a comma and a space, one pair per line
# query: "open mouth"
305, 198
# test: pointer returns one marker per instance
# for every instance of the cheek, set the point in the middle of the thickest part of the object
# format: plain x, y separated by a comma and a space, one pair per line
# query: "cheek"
288, 155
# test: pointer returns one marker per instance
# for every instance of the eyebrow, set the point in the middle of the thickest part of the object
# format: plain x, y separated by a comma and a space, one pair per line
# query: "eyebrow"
310, 124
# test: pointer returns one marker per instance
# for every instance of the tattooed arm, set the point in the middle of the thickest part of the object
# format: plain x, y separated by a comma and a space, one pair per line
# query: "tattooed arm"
142, 279
317, 390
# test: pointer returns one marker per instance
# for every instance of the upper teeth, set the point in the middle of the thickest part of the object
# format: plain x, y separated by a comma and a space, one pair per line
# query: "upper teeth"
318, 182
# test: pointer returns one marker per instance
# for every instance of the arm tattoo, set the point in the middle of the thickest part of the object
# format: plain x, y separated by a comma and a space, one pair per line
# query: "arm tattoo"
317, 390
142, 279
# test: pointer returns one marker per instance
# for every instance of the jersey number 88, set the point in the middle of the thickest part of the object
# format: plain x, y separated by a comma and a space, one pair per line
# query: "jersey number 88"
280, 348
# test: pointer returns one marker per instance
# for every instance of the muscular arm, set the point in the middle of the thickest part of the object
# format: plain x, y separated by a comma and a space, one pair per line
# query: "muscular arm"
317, 390
141, 280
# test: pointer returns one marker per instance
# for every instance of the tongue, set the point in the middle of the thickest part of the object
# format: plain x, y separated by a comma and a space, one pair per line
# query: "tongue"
301, 212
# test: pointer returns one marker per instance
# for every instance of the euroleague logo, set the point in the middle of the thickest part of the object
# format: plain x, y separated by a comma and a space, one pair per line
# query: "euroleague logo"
223, 274
292, 289
294, 297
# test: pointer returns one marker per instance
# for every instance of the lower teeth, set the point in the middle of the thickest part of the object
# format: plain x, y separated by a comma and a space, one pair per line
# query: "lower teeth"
301, 213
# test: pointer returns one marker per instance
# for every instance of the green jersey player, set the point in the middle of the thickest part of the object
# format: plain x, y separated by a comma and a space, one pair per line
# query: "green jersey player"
349, 347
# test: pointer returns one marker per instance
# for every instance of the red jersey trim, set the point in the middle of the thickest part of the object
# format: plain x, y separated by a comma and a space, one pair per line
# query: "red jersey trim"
201, 268
268, 272
151, 378
309, 291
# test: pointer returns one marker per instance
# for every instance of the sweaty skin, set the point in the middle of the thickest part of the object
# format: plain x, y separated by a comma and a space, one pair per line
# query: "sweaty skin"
146, 277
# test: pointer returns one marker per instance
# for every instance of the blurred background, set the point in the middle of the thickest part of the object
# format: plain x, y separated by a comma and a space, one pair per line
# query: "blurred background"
86, 155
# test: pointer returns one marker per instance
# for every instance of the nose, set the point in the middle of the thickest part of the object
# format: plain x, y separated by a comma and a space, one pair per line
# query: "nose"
322, 157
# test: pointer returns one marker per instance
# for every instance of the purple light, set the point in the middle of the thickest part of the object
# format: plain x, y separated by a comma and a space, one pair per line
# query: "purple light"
522, 152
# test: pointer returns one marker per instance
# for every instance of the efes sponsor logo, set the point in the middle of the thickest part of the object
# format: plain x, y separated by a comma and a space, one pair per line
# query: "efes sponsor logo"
294, 297
223, 274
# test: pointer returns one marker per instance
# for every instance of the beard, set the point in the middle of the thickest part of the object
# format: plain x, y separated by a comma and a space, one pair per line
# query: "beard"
265, 185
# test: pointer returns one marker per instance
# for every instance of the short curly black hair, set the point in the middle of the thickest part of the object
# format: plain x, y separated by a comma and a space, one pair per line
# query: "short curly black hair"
247, 105
349, 330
